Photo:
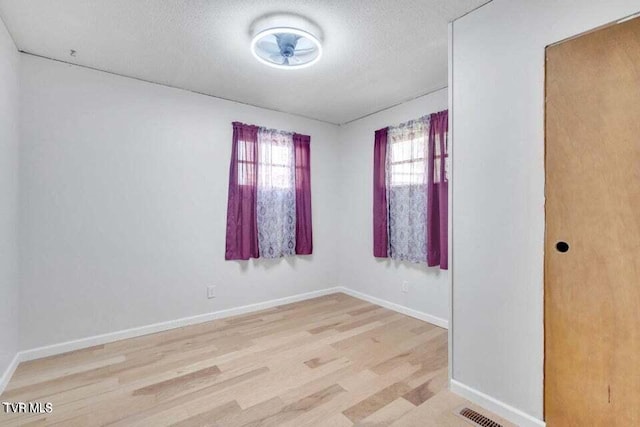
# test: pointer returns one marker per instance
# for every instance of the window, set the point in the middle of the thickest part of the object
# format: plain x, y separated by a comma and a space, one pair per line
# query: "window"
269, 204
437, 160
407, 156
410, 188
407, 190
246, 162
275, 160
276, 194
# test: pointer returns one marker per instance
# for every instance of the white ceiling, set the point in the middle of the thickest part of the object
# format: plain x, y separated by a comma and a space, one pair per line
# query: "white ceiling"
377, 53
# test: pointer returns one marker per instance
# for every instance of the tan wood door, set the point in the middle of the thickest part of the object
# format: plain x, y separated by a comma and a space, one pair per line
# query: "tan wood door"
592, 291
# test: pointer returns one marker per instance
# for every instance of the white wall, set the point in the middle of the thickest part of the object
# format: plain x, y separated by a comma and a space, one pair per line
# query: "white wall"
359, 270
9, 63
498, 189
123, 205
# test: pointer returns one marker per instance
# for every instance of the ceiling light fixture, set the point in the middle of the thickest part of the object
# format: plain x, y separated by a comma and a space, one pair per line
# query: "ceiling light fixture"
286, 42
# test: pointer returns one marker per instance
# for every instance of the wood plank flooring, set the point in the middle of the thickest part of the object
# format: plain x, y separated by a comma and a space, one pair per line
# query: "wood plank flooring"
330, 361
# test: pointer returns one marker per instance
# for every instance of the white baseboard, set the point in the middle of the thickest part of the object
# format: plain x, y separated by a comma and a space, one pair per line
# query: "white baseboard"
8, 373
54, 349
438, 321
507, 412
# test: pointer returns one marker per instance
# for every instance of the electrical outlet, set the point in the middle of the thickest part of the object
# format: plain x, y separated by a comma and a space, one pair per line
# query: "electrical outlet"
405, 287
211, 292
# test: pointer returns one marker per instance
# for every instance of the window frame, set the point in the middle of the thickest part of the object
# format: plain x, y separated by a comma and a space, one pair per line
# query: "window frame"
265, 166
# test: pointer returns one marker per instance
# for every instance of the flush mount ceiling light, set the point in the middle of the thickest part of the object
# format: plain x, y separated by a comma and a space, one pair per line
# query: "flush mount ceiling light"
286, 42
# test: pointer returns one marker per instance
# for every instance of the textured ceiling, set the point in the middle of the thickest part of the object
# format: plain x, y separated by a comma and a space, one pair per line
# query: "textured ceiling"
377, 53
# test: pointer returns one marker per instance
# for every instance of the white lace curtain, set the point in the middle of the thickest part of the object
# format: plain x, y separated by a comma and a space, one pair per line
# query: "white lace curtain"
406, 175
276, 209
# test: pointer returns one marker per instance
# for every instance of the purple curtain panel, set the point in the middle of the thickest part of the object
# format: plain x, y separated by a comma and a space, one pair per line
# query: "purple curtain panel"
242, 225
304, 234
380, 208
437, 193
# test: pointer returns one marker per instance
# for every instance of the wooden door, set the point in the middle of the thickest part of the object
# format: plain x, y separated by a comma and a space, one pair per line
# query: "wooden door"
592, 291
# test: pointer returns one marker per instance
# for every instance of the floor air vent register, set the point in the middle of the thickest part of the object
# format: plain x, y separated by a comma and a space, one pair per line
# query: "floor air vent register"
476, 418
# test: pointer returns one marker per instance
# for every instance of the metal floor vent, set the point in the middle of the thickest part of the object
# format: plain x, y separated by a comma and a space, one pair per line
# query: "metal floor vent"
476, 418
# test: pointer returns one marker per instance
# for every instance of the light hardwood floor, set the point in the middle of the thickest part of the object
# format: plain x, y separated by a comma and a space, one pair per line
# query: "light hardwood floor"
330, 361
